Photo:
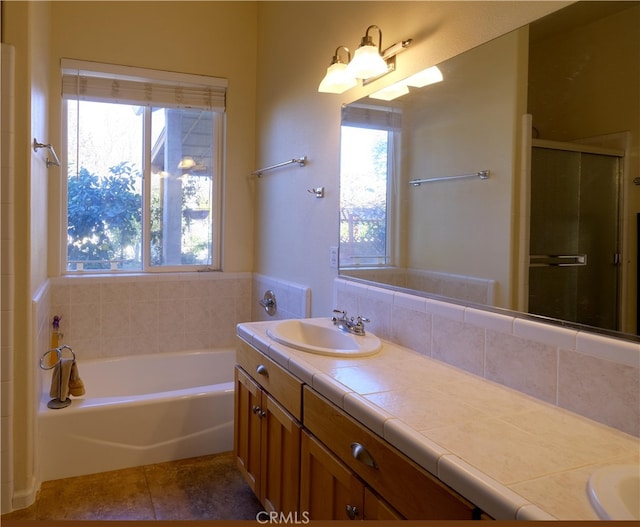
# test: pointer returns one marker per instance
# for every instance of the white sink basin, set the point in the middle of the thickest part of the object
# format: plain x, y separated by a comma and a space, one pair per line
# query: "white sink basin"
614, 492
321, 337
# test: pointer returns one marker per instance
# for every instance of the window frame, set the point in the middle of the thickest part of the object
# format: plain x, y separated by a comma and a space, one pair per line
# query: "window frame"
218, 168
392, 223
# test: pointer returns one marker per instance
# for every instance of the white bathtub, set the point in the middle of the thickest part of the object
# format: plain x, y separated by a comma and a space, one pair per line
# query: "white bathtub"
139, 410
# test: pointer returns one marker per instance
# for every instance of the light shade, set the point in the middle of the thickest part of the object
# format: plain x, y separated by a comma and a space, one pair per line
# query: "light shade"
423, 78
337, 79
367, 62
391, 92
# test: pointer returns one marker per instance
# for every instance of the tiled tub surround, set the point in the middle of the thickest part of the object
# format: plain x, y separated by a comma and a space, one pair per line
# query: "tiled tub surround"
293, 300
108, 316
514, 456
592, 375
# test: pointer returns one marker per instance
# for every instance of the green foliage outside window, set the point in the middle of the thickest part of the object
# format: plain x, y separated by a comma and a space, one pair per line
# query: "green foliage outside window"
105, 217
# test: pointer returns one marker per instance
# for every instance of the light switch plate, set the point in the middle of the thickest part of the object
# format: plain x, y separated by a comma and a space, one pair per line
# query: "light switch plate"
333, 257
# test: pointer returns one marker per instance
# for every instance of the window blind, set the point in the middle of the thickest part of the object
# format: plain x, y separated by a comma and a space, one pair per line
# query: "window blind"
389, 119
94, 81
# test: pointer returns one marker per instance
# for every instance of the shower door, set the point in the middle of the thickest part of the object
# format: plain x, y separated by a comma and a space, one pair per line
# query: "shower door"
574, 236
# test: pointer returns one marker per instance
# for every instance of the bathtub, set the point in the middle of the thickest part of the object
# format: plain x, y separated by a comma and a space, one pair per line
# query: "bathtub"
139, 410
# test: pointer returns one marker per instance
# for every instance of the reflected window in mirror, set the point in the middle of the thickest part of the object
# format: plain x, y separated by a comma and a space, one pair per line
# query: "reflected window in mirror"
367, 175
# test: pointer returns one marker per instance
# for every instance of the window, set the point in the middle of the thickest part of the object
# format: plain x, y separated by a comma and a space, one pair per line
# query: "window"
144, 168
366, 186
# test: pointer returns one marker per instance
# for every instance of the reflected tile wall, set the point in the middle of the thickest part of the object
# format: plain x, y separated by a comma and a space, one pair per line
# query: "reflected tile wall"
467, 288
587, 373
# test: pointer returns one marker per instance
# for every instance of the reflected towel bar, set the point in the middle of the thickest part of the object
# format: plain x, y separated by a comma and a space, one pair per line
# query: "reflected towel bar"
483, 174
557, 260
301, 161
37, 146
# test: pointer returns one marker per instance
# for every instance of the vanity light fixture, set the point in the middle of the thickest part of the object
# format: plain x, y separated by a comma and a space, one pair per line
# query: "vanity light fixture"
369, 63
337, 79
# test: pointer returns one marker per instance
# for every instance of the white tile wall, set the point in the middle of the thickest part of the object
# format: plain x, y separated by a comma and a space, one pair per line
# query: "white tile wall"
7, 139
590, 374
104, 316
293, 300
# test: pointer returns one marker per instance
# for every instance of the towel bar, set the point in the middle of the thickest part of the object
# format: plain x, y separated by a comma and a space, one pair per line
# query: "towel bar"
483, 174
300, 161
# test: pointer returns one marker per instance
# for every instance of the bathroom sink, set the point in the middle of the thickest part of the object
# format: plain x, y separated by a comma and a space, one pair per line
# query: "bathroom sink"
614, 492
321, 337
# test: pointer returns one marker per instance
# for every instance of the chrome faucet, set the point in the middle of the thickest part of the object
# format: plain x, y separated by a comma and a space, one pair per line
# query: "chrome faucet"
349, 325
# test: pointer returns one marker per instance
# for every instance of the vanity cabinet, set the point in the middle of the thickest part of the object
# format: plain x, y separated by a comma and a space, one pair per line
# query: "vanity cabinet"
302, 454
406, 487
267, 435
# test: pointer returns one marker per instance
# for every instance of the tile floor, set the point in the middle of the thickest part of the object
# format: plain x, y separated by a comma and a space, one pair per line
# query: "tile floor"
202, 488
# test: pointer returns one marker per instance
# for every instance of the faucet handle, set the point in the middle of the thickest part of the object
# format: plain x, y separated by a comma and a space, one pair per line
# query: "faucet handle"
340, 312
363, 319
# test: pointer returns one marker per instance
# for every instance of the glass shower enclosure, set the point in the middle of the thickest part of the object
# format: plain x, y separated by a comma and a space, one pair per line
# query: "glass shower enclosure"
575, 235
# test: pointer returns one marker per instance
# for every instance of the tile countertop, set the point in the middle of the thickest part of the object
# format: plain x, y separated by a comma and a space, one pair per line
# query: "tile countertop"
512, 455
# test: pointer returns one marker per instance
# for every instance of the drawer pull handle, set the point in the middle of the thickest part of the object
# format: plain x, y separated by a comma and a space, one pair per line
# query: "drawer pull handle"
352, 511
258, 411
262, 370
362, 454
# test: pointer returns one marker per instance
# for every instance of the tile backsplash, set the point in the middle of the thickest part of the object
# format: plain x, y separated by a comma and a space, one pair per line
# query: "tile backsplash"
590, 374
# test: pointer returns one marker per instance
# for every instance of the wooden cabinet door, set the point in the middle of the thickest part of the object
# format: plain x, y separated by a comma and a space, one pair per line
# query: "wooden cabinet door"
328, 489
248, 397
375, 508
280, 476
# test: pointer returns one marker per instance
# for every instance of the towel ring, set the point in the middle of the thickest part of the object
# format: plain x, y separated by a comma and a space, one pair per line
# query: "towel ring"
58, 352
57, 403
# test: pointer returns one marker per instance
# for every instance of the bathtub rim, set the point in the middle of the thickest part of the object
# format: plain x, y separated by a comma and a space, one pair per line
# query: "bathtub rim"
86, 402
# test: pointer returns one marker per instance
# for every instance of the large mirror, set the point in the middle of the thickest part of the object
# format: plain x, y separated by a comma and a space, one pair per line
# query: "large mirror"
512, 182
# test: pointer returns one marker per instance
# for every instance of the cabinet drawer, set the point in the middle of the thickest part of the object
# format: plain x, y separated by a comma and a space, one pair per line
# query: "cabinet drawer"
283, 386
411, 490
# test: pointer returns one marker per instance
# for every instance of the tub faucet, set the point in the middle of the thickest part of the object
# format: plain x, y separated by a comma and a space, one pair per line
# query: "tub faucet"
349, 325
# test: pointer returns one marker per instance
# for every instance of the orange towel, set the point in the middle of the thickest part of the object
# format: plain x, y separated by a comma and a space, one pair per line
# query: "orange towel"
76, 386
69, 383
